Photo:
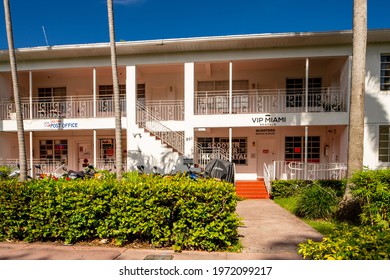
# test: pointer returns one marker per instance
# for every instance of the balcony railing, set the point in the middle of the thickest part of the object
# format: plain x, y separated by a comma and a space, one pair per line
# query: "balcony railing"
166, 110
62, 107
270, 101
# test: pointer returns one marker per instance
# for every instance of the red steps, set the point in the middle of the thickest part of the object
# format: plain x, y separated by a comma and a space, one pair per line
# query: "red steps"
252, 189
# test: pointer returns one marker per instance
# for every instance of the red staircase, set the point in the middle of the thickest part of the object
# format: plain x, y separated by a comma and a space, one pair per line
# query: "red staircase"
252, 189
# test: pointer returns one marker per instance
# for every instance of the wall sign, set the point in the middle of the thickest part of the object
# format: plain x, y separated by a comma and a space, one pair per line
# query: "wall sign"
59, 124
269, 120
265, 131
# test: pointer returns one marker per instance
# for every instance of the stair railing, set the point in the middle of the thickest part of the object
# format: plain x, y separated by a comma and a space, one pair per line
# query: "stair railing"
152, 123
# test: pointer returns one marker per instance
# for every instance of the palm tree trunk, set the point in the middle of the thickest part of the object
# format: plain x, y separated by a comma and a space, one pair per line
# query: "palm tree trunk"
15, 85
117, 107
356, 113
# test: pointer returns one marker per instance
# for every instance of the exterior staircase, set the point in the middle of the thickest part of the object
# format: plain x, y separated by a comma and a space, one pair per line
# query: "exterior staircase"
252, 189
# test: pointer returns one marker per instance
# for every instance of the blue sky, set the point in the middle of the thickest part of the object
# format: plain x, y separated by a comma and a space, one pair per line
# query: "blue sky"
85, 21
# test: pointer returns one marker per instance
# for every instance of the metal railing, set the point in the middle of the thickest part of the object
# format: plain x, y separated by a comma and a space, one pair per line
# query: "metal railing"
166, 110
147, 120
62, 107
283, 170
270, 101
267, 178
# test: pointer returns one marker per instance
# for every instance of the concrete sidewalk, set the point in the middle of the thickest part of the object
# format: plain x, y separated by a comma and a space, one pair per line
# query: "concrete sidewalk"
269, 233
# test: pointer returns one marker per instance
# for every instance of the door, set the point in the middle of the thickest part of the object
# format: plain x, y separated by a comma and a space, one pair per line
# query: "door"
85, 154
265, 154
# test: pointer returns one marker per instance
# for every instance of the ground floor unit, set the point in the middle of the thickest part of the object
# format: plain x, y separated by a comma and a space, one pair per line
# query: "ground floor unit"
278, 152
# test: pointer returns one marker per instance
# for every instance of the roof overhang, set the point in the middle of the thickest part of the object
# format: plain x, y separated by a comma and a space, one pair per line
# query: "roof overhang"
217, 43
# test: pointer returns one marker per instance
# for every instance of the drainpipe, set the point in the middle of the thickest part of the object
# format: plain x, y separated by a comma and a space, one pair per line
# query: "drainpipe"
30, 93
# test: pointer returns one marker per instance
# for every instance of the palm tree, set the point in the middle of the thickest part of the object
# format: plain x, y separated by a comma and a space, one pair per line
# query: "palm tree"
356, 112
117, 110
15, 85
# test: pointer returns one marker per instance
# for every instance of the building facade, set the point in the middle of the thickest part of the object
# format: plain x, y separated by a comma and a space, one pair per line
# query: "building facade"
277, 105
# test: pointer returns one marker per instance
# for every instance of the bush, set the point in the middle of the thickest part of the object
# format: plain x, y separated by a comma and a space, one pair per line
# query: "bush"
170, 211
287, 188
349, 243
316, 202
371, 188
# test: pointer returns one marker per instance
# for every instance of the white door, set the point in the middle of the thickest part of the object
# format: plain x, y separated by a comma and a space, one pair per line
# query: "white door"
265, 154
85, 154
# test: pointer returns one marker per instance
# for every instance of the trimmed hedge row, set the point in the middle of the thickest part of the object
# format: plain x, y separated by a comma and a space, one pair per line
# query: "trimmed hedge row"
165, 211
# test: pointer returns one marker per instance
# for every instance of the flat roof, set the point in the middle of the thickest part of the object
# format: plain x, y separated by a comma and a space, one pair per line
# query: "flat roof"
214, 43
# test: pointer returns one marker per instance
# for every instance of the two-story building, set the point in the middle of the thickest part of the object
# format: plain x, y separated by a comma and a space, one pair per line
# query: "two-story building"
277, 105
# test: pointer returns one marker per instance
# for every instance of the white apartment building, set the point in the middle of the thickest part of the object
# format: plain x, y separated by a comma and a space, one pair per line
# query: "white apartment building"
271, 103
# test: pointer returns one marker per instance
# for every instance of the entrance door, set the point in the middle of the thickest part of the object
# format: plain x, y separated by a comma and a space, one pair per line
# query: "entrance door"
85, 154
265, 154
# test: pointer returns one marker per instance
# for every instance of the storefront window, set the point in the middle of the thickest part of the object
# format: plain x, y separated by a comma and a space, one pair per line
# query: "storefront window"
107, 150
214, 147
384, 143
54, 151
295, 148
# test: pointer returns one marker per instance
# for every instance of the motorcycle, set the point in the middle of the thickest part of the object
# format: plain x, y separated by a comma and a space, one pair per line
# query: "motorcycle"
14, 173
88, 172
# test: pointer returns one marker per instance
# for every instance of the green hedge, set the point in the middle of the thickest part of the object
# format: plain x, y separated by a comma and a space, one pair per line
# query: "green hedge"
165, 211
349, 243
287, 188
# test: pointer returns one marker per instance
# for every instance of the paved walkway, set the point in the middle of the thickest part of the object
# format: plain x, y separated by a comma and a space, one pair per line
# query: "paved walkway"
269, 233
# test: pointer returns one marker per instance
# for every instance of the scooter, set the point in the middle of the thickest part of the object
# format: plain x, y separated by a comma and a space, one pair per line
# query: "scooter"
88, 172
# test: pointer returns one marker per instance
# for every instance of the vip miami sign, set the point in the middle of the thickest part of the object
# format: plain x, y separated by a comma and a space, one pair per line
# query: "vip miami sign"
269, 120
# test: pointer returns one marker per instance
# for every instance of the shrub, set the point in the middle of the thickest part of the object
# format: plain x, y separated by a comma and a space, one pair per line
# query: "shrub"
371, 188
165, 211
349, 243
316, 202
287, 188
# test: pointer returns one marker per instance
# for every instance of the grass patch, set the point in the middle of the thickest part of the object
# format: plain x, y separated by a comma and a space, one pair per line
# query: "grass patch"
322, 226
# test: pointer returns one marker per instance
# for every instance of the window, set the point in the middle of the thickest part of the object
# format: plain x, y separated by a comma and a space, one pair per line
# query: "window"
54, 151
220, 145
51, 94
295, 148
52, 101
141, 93
384, 143
106, 97
295, 90
385, 72
214, 94
107, 150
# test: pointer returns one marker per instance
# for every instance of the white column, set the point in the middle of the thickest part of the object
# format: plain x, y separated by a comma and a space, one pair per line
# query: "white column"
230, 87
31, 155
94, 92
131, 113
306, 110
307, 86
189, 77
94, 148
30, 94
230, 144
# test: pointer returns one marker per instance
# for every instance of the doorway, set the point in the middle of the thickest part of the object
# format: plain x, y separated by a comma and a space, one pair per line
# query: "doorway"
265, 154
85, 155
